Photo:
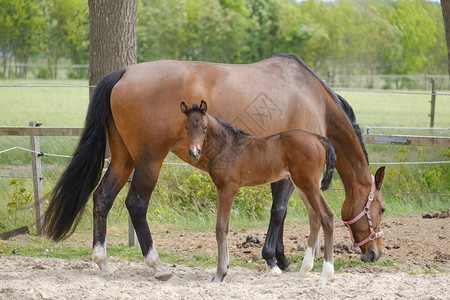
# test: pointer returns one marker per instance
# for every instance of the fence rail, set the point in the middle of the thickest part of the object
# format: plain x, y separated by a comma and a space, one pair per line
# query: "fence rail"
407, 140
35, 130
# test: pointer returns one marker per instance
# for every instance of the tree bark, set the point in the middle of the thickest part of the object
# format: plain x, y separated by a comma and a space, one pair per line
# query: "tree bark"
112, 37
445, 4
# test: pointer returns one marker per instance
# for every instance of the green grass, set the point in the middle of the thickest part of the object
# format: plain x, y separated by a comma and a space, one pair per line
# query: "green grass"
77, 248
399, 110
186, 197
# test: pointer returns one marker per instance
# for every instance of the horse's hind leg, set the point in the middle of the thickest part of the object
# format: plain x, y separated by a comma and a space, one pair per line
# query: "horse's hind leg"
273, 245
104, 197
144, 181
116, 176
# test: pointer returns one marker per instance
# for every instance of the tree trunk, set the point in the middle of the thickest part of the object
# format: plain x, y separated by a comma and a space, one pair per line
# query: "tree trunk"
445, 4
112, 41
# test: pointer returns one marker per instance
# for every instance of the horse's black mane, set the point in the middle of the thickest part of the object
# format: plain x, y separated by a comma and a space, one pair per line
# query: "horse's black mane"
343, 104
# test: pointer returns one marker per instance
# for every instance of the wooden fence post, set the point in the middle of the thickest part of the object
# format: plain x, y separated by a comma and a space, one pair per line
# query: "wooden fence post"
433, 102
37, 180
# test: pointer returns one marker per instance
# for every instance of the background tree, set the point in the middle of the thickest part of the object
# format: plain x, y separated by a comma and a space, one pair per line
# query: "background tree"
445, 4
20, 30
112, 43
65, 31
343, 37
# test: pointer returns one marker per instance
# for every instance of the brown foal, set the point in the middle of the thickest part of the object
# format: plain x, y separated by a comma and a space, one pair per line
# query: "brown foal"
234, 159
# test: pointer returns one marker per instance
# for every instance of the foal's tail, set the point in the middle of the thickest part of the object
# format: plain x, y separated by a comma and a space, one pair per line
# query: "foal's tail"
330, 161
71, 193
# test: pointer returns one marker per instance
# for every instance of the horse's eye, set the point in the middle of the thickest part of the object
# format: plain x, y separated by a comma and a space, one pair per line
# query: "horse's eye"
382, 210
206, 128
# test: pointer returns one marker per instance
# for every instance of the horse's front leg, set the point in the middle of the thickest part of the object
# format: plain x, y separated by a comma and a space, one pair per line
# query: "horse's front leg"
225, 198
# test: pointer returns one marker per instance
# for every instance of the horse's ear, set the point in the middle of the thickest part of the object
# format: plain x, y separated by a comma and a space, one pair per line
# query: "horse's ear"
379, 175
203, 107
184, 107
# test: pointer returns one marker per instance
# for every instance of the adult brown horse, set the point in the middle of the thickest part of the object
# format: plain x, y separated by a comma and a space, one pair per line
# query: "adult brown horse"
294, 153
138, 107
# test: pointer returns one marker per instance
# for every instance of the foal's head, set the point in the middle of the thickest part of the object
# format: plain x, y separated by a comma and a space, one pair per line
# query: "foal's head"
196, 126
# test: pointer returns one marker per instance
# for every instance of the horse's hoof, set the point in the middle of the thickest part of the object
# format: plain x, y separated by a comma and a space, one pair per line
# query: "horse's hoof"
163, 276
102, 265
216, 279
288, 269
274, 271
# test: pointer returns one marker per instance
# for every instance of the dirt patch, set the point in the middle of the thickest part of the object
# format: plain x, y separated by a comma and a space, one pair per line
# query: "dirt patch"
420, 248
413, 240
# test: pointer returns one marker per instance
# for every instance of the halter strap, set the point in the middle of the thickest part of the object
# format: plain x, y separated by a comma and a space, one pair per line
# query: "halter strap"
366, 211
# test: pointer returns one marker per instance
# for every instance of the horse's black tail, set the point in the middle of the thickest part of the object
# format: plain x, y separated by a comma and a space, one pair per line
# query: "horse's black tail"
71, 193
330, 162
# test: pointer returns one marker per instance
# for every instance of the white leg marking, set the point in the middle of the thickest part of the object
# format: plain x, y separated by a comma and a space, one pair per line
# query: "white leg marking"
273, 271
160, 270
99, 256
317, 248
308, 261
327, 271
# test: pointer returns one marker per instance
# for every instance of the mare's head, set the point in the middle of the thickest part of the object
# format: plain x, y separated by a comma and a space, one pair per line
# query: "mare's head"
196, 126
365, 225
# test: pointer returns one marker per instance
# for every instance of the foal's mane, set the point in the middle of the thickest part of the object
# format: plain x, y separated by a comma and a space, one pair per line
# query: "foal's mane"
227, 126
343, 104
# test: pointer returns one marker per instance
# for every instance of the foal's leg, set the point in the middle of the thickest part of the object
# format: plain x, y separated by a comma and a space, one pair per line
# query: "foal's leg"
225, 198
273, 246
144, 181
326, 218
314, 228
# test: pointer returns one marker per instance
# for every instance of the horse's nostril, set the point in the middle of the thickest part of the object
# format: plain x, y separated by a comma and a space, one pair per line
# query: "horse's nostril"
199, 152
372, 255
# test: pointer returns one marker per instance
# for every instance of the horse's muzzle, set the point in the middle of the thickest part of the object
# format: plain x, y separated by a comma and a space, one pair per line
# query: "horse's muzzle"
371, 256
195, 154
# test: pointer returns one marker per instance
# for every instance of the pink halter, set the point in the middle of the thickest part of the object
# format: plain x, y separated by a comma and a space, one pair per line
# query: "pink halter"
366, 211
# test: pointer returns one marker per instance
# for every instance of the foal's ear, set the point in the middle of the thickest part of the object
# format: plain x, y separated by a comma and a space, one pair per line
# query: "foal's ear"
203, 107
184, 107
379, 176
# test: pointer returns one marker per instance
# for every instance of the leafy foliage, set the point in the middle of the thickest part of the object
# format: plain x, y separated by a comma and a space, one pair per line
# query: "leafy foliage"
20, 199
342, 36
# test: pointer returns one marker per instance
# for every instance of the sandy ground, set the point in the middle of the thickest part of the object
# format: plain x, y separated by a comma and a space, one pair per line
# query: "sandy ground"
422, 246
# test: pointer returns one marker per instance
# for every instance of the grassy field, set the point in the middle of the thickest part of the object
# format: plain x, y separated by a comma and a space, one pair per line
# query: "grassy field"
186, 197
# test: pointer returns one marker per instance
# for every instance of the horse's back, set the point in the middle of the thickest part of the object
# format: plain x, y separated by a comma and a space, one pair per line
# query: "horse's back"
260, 98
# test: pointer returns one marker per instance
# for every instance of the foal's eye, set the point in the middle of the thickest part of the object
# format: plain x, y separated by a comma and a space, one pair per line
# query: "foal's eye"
206, 128
382, 210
